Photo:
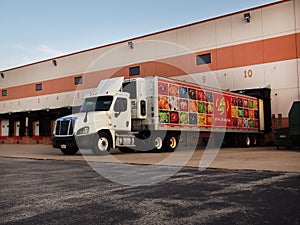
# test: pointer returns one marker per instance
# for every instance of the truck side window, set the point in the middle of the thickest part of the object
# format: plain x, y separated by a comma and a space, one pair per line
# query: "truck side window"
120, 105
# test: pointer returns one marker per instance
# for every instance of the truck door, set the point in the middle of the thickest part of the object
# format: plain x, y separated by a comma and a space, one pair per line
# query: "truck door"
121, 118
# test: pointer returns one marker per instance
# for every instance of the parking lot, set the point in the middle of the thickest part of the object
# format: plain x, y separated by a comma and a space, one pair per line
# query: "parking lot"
39, 185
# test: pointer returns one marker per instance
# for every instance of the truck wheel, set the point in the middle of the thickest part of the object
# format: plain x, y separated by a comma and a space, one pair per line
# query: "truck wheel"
69, 151
170, 142
244, 140
102, 143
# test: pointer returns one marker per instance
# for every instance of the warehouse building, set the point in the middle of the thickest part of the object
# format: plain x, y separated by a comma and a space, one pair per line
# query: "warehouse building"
254, 51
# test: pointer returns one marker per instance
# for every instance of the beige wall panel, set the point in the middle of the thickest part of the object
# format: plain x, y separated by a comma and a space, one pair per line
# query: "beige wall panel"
248, 77
297, 14
207, 79
203, 36
281, 74
79, 63
65, 99
184, 37
37, 103
282, 99
165, 36
223, 31
298, 77
143, 50
275, 75
298, 68
226, 79
278, 18
241, 30
30, 74
159, 45
66, 66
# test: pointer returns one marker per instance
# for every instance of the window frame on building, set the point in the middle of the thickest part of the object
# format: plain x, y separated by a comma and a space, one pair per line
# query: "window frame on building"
4, 93
39, 87
203, 59
77, 80
134, 71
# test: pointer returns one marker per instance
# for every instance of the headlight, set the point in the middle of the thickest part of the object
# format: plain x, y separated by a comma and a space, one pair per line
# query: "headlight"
84, 130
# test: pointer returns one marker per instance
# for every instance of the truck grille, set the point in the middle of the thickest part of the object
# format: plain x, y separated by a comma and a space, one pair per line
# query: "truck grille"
64, 127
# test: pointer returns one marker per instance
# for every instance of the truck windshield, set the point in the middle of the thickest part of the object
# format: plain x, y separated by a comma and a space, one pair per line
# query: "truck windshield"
101, 103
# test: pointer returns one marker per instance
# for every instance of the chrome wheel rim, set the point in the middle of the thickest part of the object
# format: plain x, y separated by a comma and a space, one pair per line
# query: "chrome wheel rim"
173, 142
158, 142
102, 144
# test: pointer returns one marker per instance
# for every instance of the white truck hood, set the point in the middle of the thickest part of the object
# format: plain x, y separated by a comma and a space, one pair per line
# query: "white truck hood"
109, 86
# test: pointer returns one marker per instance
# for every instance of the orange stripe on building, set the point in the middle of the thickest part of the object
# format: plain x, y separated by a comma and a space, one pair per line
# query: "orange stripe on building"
252, 53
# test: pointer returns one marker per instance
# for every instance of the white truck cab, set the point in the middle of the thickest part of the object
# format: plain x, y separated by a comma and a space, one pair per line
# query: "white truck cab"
105, 118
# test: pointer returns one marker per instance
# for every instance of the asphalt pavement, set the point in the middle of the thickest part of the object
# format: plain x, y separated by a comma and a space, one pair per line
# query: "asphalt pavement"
37, 191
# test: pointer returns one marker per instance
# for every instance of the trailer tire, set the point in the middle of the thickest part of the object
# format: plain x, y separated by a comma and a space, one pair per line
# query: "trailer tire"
69, 151
102, 143
244, 140
158, 144
254, 140
170, 142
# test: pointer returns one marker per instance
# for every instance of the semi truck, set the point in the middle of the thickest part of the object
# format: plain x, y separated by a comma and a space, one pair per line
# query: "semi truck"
155, 113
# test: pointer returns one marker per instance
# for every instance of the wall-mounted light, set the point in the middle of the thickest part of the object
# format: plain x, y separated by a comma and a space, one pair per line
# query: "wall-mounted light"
54, 62
130, 44
2, 75
247, 17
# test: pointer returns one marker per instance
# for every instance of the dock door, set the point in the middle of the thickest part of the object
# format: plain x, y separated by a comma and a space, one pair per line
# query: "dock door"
4, 128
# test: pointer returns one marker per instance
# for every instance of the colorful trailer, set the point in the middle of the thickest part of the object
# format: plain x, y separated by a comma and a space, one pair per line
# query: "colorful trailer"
155, 113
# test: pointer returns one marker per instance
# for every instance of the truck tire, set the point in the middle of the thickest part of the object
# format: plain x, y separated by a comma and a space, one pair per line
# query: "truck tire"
102, 143
69, 151
170, 142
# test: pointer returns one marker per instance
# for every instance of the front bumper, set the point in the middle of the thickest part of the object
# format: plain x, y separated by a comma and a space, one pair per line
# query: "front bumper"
82, 141
68, 142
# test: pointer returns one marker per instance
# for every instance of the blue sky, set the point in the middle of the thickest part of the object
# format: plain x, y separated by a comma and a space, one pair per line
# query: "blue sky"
33, 30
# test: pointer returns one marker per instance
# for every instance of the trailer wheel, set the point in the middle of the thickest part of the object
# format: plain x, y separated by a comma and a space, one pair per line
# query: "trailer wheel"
244, 140
254, 140
69, 151
158, 143
102, 143
170, 142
